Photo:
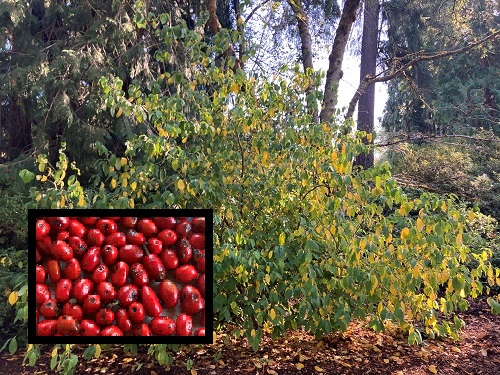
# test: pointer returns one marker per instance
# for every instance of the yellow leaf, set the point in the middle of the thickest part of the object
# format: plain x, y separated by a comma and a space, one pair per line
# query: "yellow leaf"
433, 369
215, 337
54, 352
97, 351
268, 278
253, 333
369, 137
459, 239
270, 255
299, 366
113, 183
123, 161
272, 314
119, 112
471, 215
420, 224
181, 185
405, 233
133, 185
319, 369
443, 207
13, 297
282, 239
81, 201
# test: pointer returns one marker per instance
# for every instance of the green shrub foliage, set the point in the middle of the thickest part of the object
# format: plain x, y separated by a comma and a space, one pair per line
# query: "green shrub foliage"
301, 238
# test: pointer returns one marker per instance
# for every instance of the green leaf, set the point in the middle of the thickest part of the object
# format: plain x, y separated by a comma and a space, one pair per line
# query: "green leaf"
26, 175
12, 345
54, 361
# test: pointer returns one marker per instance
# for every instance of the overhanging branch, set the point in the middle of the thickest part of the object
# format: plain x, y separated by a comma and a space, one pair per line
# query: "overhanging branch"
389, 74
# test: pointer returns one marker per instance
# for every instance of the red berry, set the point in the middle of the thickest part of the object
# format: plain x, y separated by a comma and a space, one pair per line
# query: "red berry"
191, 300
186, 273
106, 226
100, 274
58, 223
154, 267
54, 270
105, 317
73, 309
91, 259
62, 235
183, 229
42, 229
88, 221
165, 222
200, 331
131, 254
184, 251
198, 225
82, 289
95, 237
116, 239
200, 284
136, 312
41, 274
89, 328
150, 301
72, 269
49, 309
44, 245
167, 237
169, 259
127, 294
199, 260
147, 227
78, 245
67, 325
138, 274
162, 326
184, 325
77, 229
91, 304
109, 254
142, 330
122, 320
154, 246
168, 293
197, 241
62, 251
46, 328
42, 293
63, 290
135, 238
119, 274
111, 331
107, 292
128, 222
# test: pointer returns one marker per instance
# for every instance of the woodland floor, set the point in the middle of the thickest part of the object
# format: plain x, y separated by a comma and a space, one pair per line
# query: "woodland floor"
357, 351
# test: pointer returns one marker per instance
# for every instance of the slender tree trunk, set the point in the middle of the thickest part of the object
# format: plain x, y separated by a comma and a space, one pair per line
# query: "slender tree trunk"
334, 73
366, 104
306, 47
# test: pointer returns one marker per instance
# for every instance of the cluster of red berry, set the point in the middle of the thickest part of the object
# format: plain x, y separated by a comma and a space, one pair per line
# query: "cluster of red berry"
107, 276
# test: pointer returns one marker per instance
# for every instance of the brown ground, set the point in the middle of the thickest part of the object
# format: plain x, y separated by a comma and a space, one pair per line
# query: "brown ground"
358, 351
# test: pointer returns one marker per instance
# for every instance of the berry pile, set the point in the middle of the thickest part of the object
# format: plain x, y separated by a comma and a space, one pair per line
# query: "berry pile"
116, 276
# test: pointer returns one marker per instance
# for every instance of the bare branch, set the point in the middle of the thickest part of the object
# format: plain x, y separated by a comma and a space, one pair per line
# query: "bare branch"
420, 137
416, 57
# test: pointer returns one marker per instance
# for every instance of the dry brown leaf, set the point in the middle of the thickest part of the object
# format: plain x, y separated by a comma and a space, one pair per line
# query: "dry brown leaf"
433, 369
258, 365
194, 372
299, 366
271, 372
484, 352
386, 360
455, 349
302, 358
319, 369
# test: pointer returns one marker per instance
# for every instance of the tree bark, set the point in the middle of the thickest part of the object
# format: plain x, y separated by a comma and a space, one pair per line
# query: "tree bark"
306, 48
334, 73
366, 105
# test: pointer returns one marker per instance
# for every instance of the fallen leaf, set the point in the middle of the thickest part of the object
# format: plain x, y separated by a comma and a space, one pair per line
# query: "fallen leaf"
484, 352
433, 369
271, 372
302, 358
258, 365
194, 372
299, 366
455, 349
319, 369
386, 360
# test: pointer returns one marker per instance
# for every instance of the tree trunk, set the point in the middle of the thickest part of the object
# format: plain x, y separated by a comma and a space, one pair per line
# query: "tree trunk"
366, 104
306, 47
334, 73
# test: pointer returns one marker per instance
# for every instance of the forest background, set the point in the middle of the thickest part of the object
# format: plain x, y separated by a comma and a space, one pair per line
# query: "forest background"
112, 104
